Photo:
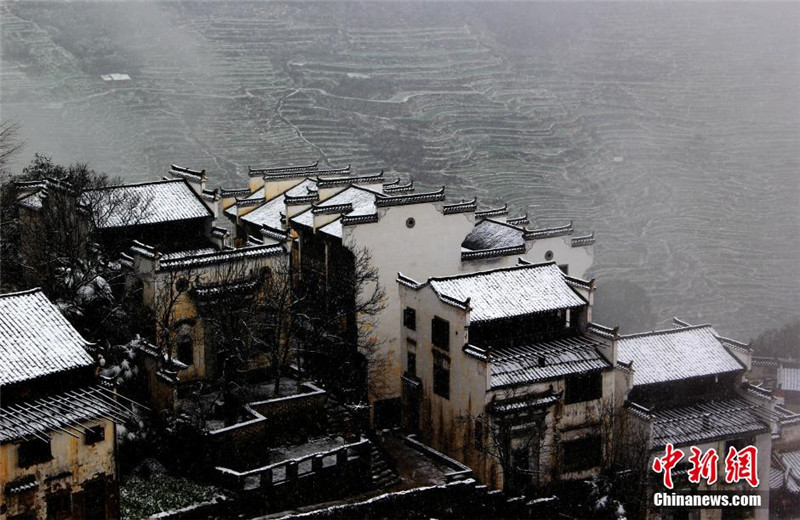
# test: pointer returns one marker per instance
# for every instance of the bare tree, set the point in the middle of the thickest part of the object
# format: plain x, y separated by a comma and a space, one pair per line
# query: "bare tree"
171, 308
50, 217
10, 145
248, 315
512, 432
338, 313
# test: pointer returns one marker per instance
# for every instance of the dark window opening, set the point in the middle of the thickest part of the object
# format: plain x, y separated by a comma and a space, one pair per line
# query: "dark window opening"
581, 454
95, 498
440, 333
186, 349
521, 458
412, 364
32, 452
564, 268
59, 505
582, 388
95, 434
478, 434
410, 318
441, 375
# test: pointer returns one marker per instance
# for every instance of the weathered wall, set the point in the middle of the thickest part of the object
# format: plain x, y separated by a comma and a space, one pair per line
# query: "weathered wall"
433, 248
74, 463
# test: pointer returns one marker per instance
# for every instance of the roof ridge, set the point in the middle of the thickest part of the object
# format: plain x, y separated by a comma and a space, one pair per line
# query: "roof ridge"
145, 183
489, 271
666, 331
489, 219
24, 292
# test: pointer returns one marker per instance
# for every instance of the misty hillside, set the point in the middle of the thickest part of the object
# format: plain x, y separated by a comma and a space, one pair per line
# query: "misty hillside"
671, 130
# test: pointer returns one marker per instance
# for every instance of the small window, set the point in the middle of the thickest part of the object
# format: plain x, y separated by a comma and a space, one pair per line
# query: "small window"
582, 388
410, 318
95, 434
411, 358
410, 222
548, 256
478, 434
441, 375
440, 333
32, 452
59, 505
581, 454
185, 344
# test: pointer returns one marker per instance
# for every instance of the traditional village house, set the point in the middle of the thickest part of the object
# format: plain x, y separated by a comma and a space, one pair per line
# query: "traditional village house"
500, 372
328, 214
57, 424
687, 390
176, 285
171, 213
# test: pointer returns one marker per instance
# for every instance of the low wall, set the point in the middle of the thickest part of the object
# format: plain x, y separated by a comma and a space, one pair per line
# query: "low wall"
456, 500
314, 478
459, 471
271, 421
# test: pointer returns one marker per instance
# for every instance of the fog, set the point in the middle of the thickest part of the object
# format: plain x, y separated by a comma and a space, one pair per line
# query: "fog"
672, 130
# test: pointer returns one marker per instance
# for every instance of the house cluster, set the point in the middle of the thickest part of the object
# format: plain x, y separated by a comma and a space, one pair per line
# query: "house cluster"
484, 345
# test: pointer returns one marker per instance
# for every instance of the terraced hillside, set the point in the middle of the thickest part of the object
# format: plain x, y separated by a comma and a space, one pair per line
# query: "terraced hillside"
672, 131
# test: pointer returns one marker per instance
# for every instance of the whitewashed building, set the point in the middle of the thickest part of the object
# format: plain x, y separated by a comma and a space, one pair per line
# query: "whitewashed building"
501, 372
687, 390
327, 212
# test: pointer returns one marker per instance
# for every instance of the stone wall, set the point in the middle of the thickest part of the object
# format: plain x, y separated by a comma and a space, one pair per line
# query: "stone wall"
270, 422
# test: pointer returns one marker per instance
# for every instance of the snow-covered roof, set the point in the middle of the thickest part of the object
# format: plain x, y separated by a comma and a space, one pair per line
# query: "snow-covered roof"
490, 234
270, 213
509, 292
789, 378
361, 199
545, 361
706, 422
675, 354
63, 411
145, 203
32, 201
211, 256
36, 339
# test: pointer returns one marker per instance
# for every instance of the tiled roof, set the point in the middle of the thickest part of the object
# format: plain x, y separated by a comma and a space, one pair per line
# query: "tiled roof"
706, 422
544, 361
490, 234
65, 411
791, 478
675, 354
35, 339
508, 292
146, 203
32, 201
212, 257
268, 214
789, 378
361, 199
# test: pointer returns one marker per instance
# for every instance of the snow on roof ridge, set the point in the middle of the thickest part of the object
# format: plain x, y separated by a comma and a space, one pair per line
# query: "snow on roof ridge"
474, 274
667, 331
22, 293
131, 185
